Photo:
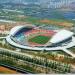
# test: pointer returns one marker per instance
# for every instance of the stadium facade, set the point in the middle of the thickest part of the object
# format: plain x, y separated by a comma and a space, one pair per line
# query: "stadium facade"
62, 36
19, 36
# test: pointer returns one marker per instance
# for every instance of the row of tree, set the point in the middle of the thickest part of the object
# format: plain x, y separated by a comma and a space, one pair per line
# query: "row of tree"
58, 67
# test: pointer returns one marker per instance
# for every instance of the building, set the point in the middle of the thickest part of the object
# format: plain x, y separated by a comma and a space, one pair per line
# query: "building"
63, 36
57, 41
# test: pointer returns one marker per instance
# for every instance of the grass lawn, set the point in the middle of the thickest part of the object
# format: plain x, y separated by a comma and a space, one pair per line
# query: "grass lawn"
40, 39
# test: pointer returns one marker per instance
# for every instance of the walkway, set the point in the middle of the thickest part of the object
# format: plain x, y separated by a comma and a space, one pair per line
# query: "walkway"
69, 52
64, 48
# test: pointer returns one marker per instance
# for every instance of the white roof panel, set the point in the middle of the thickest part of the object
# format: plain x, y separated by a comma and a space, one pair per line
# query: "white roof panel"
15, 30
61, 35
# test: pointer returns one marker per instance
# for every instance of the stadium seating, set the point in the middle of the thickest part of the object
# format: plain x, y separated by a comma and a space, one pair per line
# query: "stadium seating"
23, 30
26, 33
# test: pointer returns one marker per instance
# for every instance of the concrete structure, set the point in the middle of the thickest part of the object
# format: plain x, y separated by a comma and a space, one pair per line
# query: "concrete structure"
57, 38
63, 36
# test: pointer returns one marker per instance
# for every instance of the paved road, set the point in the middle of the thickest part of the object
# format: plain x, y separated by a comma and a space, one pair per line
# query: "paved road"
63, 48
69, 52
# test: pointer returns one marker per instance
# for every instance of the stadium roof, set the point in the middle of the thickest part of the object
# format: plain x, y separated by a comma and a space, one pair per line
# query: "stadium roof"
15, 30
61, 35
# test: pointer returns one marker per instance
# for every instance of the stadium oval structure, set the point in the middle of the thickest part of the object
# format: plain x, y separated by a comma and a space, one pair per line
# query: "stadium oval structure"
61, 35
19, 35
15, 30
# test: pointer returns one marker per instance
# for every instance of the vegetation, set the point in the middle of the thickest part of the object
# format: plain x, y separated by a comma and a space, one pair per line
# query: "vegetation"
40, 39
13, 59
52, 55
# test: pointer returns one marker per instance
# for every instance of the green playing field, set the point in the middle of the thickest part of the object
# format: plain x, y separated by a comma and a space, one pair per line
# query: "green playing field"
40, 39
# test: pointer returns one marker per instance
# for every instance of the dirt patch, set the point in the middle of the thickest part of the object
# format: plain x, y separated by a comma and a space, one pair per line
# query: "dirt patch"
65, 24
4, 70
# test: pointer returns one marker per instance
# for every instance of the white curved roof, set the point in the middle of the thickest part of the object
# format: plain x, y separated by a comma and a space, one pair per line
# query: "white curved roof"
61, 35
15, 30
10, 41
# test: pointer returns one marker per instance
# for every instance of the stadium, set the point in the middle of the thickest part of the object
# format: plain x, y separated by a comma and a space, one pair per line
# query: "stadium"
35, 38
